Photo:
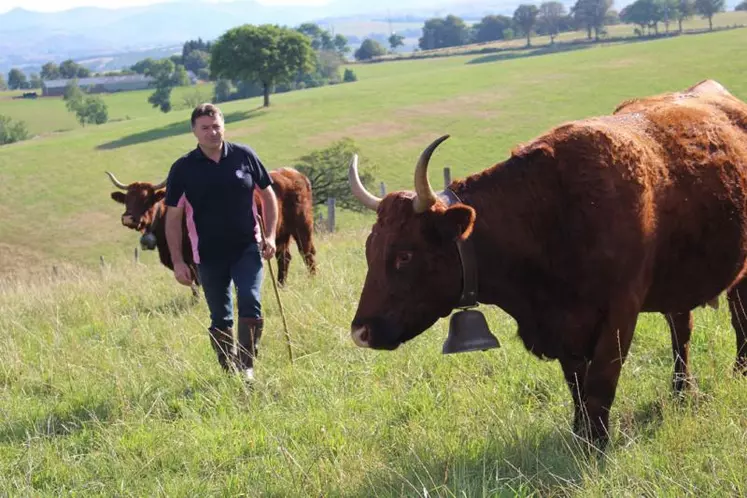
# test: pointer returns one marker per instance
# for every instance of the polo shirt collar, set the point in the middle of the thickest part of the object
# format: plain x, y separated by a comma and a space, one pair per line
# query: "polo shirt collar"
226, 149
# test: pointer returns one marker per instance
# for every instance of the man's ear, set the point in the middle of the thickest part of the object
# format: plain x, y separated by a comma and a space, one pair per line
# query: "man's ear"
119, 197
160, 194
453, 224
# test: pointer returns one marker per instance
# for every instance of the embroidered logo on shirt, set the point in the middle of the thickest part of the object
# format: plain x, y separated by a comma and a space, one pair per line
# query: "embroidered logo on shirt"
240, 173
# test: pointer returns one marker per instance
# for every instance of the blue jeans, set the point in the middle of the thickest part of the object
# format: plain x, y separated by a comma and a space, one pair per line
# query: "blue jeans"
246, 273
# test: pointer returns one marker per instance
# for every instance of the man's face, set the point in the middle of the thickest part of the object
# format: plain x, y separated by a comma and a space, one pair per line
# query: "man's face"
209, 131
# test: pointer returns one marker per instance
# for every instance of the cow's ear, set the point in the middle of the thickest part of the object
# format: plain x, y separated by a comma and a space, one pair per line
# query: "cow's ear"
119, 197
455, 223
160, 194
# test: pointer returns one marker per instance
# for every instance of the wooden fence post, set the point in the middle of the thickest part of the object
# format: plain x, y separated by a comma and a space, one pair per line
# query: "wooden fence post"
331, 214
137, 254
447, 177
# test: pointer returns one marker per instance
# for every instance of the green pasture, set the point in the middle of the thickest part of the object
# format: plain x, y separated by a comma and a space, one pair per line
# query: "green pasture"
108, 386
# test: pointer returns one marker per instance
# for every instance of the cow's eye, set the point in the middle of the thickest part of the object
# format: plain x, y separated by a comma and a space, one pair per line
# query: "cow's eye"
403, 259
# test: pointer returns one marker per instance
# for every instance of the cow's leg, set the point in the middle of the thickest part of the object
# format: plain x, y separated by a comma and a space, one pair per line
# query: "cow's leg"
574, 370
283, 257
680, 328
738, 309
609, 354
306, 247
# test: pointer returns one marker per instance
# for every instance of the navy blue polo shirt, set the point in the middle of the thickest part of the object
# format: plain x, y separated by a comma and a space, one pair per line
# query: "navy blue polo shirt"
222, 198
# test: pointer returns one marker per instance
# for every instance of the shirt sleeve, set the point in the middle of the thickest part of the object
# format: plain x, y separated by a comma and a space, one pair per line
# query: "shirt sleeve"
259, 173
174, 185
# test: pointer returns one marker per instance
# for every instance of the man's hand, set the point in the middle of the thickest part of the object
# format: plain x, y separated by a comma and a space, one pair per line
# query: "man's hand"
268, 247
183, 274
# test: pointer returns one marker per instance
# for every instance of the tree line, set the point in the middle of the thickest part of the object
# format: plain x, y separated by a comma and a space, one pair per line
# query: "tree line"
550, 19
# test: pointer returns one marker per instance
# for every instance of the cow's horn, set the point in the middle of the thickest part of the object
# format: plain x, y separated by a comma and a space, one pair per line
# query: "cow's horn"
425, 197
359, 191
116, 182
160, 185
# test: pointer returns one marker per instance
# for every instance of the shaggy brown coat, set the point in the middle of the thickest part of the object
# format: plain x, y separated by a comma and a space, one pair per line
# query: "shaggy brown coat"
575, 234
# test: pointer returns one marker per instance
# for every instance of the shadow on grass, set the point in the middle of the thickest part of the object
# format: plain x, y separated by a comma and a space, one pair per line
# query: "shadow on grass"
549, 464
523, 52
60, 421
175, 307
172, 130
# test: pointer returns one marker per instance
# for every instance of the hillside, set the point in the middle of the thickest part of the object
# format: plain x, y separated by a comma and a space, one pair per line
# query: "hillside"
109, 387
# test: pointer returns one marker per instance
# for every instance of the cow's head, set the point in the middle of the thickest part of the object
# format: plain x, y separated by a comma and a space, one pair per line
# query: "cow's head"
139, 199
414, 272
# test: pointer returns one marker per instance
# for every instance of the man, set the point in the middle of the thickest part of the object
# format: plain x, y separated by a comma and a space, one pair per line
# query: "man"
217, 179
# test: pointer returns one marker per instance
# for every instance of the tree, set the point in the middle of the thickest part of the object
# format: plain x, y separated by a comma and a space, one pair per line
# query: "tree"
70, 69
327, 169
93, 110
341, 44
266, 54
369, 49
144, 66
590, 14
12, 131
34, 81
16, 79
708, 8
491, 28
196, 61
525, 16
50, 71
685, 10
167, 75
741, 6
550, 16
396, 40
450, 31
191, 46
73, 95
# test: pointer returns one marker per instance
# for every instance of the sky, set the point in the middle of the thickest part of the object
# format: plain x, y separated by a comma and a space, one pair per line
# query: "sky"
57, 5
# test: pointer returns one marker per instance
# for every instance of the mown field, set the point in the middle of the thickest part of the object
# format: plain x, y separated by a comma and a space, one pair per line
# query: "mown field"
109, 387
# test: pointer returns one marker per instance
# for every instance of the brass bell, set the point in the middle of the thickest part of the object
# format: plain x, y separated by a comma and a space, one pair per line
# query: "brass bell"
468, 331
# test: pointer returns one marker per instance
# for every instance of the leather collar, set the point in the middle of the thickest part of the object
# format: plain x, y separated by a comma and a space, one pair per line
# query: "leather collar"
466, 250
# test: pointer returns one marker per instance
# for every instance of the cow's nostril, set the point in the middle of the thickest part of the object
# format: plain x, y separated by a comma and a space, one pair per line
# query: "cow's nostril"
360, 335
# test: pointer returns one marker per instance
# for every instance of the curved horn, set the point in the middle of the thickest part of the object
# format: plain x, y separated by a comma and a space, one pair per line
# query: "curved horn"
116, 182
425, 197
359, 191
160, 185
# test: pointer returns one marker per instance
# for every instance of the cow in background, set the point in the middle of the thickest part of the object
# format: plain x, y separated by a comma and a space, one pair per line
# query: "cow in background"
145, 212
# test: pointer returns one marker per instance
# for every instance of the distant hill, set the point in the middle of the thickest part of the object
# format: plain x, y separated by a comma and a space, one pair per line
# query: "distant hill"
29, 39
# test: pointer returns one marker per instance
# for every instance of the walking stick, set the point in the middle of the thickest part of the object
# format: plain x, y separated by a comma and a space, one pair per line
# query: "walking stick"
277, 295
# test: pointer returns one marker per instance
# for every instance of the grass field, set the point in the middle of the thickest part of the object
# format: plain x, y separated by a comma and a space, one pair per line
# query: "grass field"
108, 385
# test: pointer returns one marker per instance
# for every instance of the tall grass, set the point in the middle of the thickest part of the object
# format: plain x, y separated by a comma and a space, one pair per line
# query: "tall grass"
108, 386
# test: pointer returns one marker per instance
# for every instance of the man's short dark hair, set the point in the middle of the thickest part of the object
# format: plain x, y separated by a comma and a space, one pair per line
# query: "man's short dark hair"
205, 110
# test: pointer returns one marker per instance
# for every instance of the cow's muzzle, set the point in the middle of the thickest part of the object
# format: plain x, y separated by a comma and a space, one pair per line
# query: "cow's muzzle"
128, 221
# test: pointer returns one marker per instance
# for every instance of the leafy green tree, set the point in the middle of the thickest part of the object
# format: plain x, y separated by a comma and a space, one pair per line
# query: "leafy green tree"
50, 71
707, 9
525, 16
741, 6
349, 75
93, 110
167, 75
194, 45
12, 131
550, 16
395, 41
327, 169
685, 10
590, 14
16, 79
450, 31
341, 44
70, 69
369, 49
491, 28
143, 66
265, 54
34, 81
73, 95
196, 61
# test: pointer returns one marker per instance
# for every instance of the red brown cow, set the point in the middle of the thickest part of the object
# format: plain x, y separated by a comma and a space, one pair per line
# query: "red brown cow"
574, 235
145, 209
